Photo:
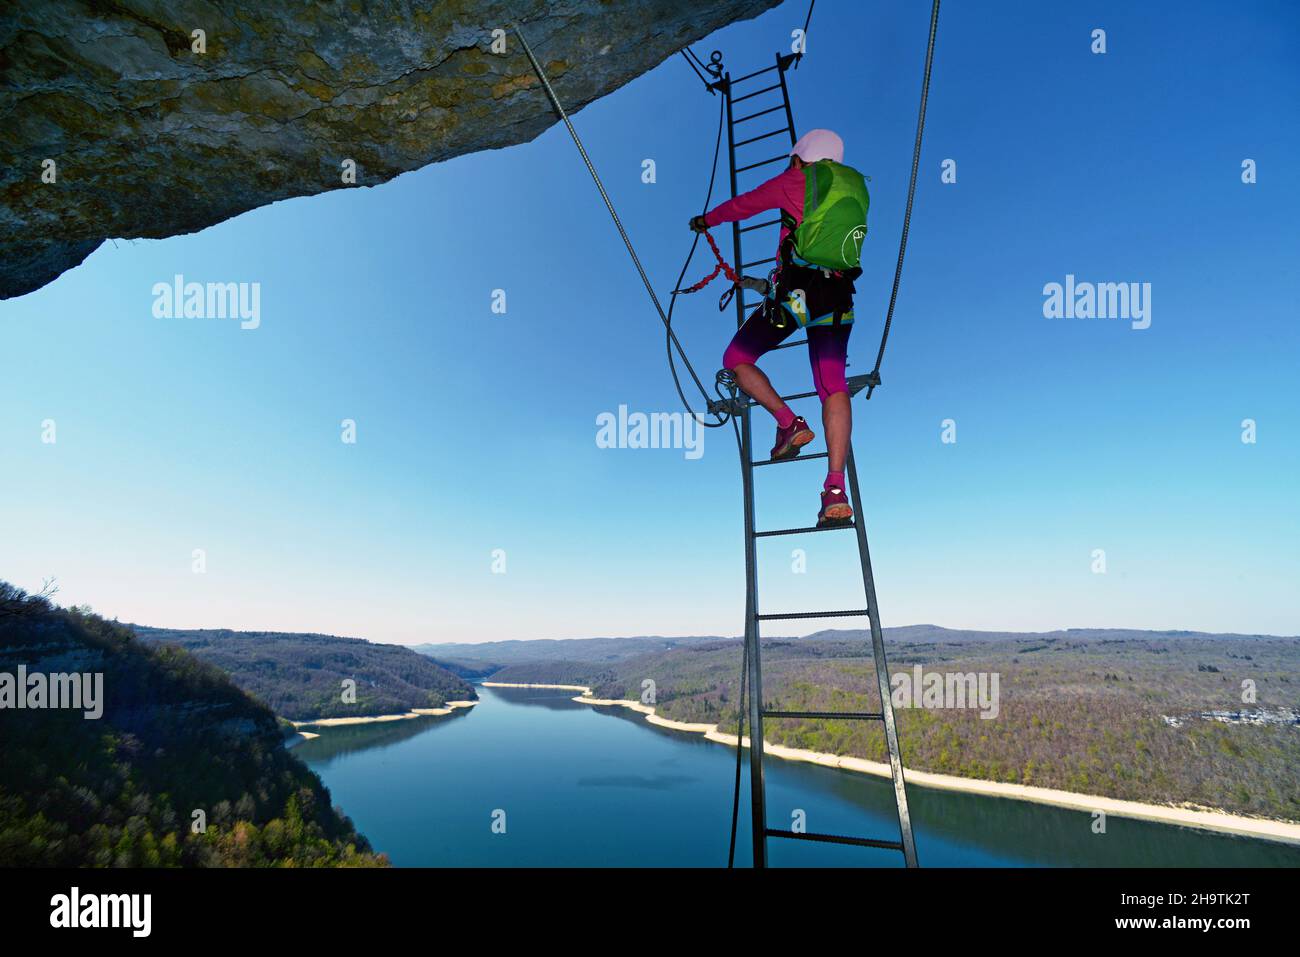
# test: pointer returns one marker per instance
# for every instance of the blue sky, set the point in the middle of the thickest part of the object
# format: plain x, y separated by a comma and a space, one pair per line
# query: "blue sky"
477, 431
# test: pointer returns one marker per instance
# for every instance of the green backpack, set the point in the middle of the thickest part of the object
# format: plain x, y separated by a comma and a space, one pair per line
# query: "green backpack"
834, 216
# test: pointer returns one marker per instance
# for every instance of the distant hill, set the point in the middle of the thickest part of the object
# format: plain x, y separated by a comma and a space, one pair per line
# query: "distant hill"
480, 660
936, 633
1155, 716
300, 676
175, 736
574, 656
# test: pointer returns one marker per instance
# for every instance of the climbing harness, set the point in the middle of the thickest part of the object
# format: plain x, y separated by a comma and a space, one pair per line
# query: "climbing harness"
722, 267
737, 281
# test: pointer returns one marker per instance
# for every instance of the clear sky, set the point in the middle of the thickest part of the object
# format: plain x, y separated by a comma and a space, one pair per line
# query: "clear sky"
476, 431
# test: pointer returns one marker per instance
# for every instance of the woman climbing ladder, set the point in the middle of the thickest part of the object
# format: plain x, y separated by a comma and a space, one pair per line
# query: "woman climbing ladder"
823, 206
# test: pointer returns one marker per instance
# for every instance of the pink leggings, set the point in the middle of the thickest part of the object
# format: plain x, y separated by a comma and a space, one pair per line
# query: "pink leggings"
828, 348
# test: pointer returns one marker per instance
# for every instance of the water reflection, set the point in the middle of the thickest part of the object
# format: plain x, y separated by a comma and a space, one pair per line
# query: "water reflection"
659, 782
552, 699
339, 740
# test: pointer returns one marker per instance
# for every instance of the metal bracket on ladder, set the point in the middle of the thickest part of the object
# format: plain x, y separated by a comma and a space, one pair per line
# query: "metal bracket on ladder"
742, 407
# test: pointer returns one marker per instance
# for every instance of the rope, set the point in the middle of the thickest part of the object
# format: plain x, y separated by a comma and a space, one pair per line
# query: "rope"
722, 267
911, 192
807, 20
722, 417
725, 380
724, 383
691, 64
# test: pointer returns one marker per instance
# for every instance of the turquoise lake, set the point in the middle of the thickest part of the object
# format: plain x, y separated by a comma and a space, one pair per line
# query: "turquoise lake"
581, 786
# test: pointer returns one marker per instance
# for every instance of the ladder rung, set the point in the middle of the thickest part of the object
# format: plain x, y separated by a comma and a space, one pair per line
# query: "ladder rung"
790, 616
856, 383
783, 158
848, 715
790, 398
794, 458
755, 139
791, 345
799, 531
758, 262
750, 76
837, 839
770, 222
774, 86
754, 116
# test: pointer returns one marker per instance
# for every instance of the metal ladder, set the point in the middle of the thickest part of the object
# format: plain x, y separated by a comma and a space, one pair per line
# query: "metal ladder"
726, 85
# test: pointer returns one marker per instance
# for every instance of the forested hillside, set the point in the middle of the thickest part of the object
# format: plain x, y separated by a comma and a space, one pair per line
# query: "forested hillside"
176, 737
483, 658
300, 676
1149, 716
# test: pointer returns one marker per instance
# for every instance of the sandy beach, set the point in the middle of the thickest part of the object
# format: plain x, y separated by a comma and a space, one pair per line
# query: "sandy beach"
1206, 819
372, 719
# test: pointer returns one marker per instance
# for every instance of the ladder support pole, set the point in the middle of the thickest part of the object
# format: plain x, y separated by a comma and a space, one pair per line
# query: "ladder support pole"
785, 98
882, 672
758, 810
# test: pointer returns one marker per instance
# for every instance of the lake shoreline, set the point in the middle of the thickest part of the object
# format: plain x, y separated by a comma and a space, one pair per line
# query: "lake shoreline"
372, 719
1283, 832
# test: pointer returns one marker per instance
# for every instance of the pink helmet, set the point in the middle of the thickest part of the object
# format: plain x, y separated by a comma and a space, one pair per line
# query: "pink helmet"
819, 145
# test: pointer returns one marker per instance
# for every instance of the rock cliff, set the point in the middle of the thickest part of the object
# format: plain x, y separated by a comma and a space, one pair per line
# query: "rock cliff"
149, 118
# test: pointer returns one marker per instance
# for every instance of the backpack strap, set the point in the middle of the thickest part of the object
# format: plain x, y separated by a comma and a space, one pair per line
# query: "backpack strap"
810, 179
786, 253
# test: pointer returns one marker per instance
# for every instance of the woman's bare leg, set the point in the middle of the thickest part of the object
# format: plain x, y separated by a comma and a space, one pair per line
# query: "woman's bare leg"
759, 388
837, 417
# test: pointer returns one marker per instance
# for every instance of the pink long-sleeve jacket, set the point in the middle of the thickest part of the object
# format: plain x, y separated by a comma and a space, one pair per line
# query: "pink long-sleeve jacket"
783, 191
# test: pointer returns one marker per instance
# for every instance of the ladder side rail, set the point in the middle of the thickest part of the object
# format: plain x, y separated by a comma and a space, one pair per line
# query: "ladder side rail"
785, 98
735, 227
882, 671
757, 793
758, 819
757, 788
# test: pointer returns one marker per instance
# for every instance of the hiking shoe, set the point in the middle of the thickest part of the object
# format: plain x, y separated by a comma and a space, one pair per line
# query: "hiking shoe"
791, 439
836, 509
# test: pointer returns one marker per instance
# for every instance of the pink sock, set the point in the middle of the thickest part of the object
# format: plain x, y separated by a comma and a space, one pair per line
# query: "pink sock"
785, 417
834, 480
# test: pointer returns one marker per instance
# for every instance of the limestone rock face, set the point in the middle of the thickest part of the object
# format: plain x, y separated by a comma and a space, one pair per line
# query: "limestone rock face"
150, 138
